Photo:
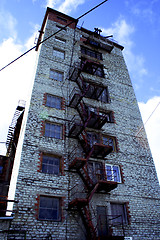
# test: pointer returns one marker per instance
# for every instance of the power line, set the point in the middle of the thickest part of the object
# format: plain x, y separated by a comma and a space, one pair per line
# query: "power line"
53, 35
147, 119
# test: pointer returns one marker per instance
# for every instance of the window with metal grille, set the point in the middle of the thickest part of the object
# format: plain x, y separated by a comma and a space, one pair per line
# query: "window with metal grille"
49, 208
110, 141
113, 173
91, 53
50, 164
108, 116
92, 68
53, 101
58, 53
92, 138
104, 97
53, 130
56, 75
119, 213
95, 170
97, 70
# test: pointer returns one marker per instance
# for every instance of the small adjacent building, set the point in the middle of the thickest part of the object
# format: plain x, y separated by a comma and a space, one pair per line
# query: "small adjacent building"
7, 161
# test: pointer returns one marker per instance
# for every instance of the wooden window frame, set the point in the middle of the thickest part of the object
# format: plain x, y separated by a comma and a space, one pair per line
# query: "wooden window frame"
58, 53
61, 27
50, 209
92, 68
113, 177
124, 220
60, 40
91, 53
113, 144
52, 103
46, 167
96, 169
53, 130
56, 75
104, 97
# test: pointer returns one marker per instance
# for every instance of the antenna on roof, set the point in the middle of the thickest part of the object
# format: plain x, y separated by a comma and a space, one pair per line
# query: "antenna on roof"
82, 24
108, 36
97, 31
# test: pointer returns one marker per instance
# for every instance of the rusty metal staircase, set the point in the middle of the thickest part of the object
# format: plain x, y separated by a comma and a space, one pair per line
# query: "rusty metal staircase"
92, 179
83, 207
86, 88
87, 220
91, 147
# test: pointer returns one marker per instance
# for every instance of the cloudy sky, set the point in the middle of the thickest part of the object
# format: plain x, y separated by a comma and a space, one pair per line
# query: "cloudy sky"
135, 24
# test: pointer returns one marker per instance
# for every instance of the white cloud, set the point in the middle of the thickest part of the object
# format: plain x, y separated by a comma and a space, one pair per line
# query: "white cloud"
69, 5
123, 33
53, 3
15, 79
65, 6
144, 10
7, 25
152, 127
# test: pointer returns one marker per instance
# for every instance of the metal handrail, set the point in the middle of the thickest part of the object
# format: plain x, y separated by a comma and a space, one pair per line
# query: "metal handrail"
110, 221
77, 191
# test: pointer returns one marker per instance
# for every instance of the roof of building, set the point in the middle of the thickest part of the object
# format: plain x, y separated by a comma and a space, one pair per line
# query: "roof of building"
70, 22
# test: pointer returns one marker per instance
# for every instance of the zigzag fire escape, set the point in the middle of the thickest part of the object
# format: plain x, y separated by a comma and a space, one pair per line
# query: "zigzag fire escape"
92, 146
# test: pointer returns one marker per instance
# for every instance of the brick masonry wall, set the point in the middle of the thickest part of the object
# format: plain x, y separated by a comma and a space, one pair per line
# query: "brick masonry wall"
140, 188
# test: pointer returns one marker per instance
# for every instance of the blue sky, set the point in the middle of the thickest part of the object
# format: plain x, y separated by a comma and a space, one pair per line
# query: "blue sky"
135, 24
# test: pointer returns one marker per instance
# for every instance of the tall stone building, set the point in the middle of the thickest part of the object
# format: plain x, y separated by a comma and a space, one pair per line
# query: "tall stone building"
86, 171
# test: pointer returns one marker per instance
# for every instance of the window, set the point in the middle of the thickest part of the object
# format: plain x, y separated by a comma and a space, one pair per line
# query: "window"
49, 208
113, 173
58, 53
104, 97
53, 101
55, 75
61, 19
1, 169
61, 28
50, 164
95, 170
92, 138
57, 39
119, 213
110, 141
108, 116
98, 70
94, 43
53, 130
92, 68
91, 53
102, 222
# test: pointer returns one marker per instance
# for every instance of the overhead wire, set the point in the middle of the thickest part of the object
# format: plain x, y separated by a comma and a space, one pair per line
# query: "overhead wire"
39, 43
147, 119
